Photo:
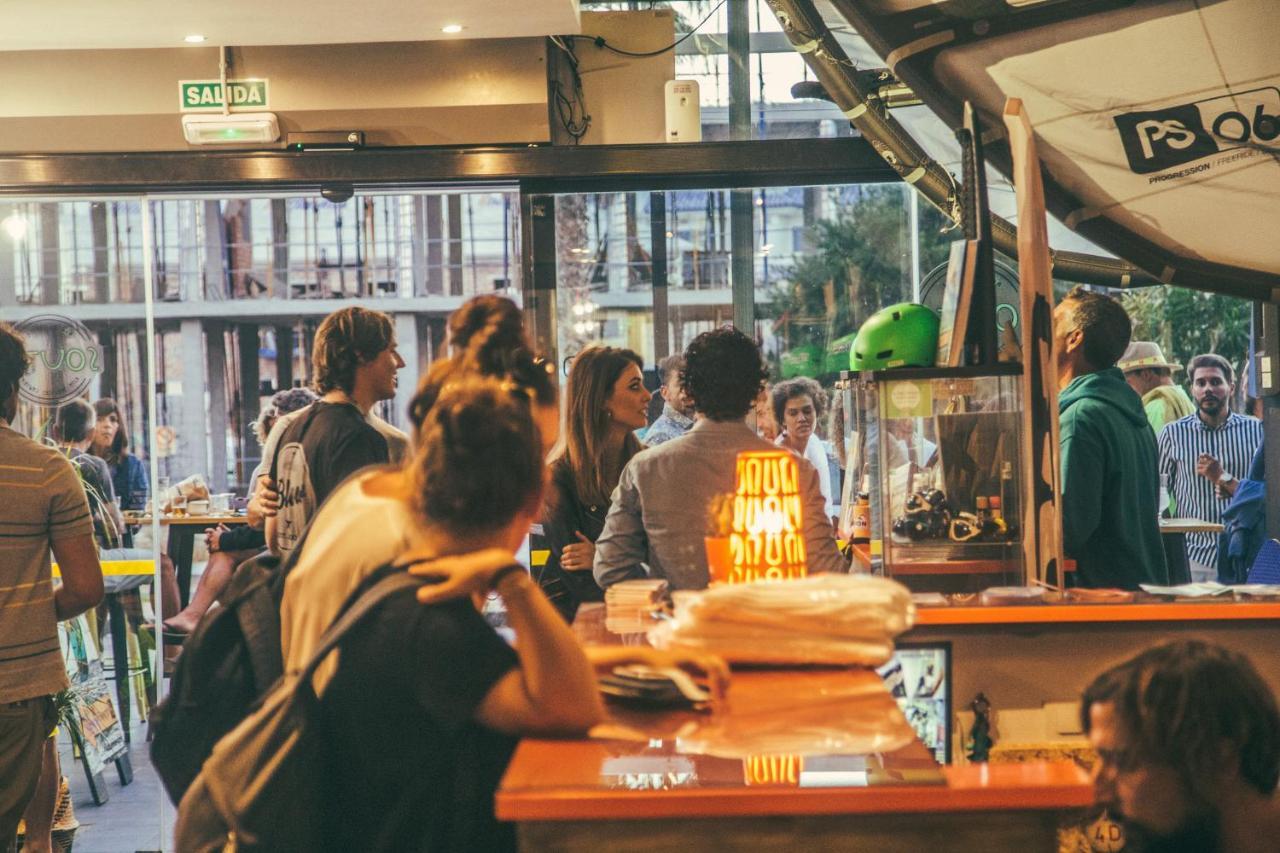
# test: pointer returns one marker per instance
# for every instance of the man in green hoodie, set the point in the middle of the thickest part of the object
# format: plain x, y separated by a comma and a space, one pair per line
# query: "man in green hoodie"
1109, 458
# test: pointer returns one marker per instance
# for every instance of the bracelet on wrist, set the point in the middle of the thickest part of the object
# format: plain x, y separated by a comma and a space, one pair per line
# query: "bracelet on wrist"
502, 573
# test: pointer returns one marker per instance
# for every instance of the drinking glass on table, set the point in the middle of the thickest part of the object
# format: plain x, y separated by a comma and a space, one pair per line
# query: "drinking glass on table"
178, 505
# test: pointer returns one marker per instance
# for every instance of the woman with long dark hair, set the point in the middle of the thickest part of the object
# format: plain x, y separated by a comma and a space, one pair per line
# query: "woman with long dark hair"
607, 402
111, 444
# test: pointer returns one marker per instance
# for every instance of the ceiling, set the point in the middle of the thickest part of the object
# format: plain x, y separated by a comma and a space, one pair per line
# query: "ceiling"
93, 24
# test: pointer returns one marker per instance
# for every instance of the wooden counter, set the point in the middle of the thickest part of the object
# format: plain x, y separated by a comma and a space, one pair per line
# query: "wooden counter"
1024, 657
1174, 611
820, 759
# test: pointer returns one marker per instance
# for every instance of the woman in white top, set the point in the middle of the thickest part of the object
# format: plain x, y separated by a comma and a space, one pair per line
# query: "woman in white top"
798, 404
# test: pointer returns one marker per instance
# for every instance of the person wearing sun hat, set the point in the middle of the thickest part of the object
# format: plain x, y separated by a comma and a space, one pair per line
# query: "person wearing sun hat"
1147, 372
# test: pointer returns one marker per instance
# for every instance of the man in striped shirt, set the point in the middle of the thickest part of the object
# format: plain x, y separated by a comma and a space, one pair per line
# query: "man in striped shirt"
44, 507
1204, 455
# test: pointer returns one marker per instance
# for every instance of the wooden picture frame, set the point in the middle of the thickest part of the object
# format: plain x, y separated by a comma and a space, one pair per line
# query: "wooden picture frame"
957, 297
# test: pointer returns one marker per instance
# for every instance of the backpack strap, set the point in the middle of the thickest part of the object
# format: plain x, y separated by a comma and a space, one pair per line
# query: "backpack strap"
362, 607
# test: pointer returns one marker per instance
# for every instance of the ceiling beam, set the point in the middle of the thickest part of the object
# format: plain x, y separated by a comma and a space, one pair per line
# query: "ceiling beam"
780, 162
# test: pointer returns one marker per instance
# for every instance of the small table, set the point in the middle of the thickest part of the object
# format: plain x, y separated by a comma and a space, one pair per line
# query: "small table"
182, 538
1174, 537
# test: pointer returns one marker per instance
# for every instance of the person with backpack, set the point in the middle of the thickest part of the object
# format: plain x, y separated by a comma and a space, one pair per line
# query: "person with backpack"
229, 547
275, 610
414, 744
370, 520
356, 363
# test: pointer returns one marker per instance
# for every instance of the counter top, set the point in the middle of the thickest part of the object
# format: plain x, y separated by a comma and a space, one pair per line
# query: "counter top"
788, 742
534, 790
1173, 611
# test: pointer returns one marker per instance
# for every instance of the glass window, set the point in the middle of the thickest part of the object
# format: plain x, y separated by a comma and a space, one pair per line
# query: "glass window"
71, 252
773, 67
71, 281
605, 261
828, 257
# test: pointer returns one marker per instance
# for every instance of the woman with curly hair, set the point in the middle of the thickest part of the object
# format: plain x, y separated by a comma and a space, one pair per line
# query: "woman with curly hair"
798, 405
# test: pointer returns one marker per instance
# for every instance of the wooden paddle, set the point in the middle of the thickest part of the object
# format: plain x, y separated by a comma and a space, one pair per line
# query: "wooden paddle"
1041, 471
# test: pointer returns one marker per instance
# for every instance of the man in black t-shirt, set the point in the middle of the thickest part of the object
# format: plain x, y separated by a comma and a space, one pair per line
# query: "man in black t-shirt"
355, 363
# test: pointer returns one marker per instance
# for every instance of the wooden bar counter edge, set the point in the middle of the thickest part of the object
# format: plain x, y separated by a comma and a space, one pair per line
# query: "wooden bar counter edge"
564, 794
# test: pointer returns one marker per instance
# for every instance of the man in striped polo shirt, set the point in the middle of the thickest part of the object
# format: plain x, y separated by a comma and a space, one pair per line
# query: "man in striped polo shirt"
1204, 456
44, 508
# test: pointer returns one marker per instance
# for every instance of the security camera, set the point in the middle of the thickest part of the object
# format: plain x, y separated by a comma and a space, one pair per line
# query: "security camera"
337, 193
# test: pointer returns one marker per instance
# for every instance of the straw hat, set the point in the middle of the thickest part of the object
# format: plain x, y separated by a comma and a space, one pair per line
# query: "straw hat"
1142, 355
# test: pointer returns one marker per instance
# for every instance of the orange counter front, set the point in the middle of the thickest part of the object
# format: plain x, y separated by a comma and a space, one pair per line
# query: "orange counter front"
1026, 657
812, 760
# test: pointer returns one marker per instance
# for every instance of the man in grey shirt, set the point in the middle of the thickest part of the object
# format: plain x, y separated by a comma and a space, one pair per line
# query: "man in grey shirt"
658, 517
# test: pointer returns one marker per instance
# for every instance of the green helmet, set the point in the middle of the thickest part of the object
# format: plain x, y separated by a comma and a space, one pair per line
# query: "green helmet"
902, 335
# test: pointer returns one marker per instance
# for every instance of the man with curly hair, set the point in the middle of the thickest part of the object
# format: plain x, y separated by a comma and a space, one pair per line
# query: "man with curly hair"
657, 522
355, 362
1188, 743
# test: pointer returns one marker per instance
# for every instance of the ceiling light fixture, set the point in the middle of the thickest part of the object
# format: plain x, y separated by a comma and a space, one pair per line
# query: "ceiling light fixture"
451, 29
194, 39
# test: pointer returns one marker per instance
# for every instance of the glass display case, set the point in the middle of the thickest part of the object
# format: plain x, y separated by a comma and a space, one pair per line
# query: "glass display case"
934, 459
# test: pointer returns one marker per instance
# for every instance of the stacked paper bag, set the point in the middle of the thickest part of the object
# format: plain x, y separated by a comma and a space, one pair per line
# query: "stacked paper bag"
847, 620
628, 605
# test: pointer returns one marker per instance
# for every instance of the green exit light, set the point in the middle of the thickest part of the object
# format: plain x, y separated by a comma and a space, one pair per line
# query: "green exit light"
231, 133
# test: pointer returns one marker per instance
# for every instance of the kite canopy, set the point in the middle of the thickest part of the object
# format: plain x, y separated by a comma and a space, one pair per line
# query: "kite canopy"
1158, 121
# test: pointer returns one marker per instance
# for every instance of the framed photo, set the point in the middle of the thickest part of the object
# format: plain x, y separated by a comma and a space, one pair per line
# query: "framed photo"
919, 678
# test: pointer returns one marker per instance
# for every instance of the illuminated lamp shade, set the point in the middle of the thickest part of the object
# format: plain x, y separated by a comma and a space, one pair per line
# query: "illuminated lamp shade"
777, 770
766, 539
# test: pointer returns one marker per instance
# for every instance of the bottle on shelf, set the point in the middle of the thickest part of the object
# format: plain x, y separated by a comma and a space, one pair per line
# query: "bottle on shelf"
862, 518
997, 518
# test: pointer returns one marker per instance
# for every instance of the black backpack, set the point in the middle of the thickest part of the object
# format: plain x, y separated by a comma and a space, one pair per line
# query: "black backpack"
262, 788
227, 664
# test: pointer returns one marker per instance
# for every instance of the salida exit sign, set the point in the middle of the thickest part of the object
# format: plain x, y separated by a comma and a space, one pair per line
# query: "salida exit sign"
197, 95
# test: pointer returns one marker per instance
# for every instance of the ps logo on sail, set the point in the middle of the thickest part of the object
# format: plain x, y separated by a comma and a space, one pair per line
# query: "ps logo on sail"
1156, 140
